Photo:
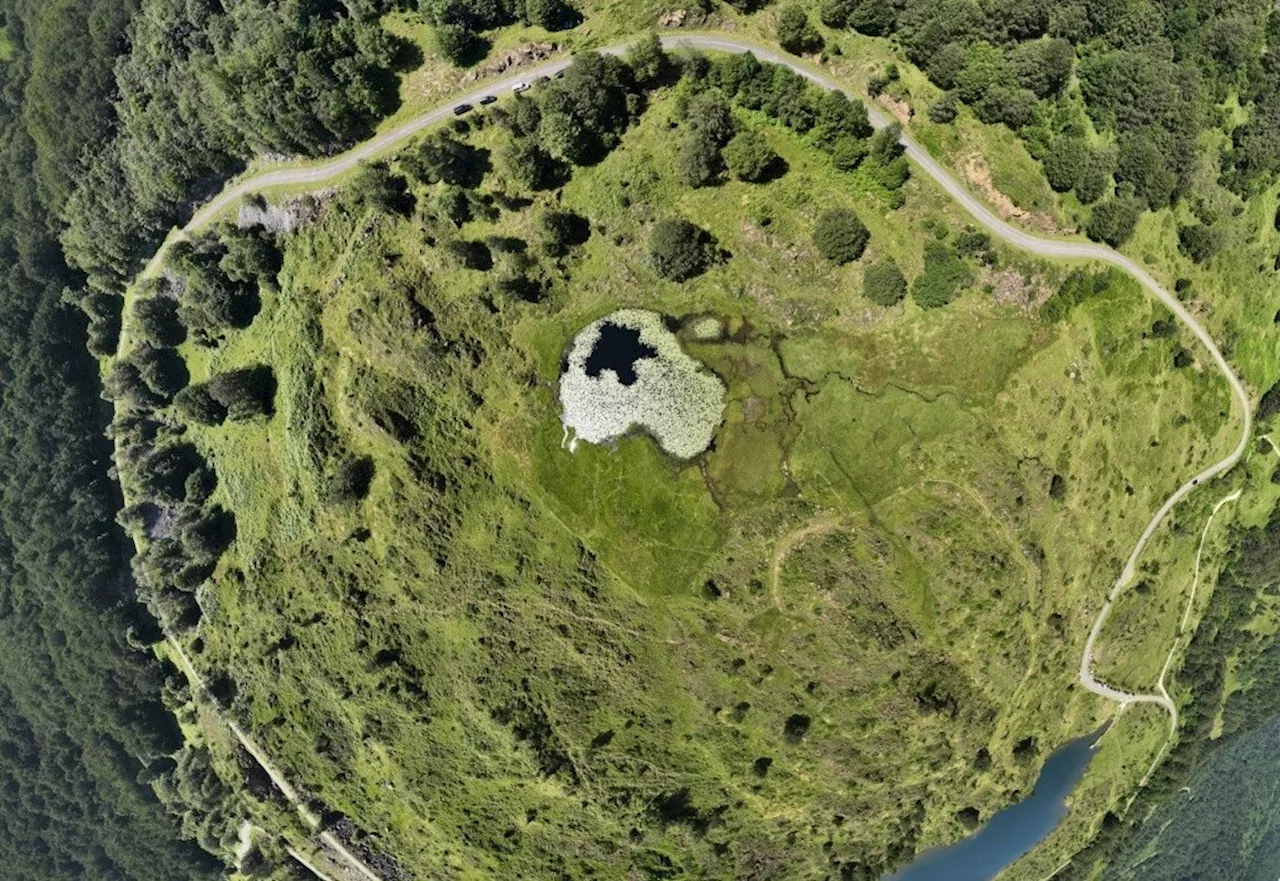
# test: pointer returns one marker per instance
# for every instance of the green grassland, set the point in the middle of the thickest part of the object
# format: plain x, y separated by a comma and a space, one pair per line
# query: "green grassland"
811, 648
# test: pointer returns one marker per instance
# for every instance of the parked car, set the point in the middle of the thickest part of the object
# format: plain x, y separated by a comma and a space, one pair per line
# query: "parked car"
461, 109
520, 87
488, 99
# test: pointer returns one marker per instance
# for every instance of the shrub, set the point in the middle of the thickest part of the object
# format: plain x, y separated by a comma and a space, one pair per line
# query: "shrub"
1199, 242
350, 480
471, 254
796, 33
1113, 220
1078, 287
944, 109
848, 152
883, 283
562, 231
749, 157
944, 276
246, 393
972, 242
840, 236
680, 250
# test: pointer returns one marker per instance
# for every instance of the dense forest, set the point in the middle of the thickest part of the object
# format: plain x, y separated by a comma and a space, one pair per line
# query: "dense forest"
1152, 77
113, 115
82, 730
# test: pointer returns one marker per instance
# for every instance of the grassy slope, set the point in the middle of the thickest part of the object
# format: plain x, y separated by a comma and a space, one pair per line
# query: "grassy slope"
518, 602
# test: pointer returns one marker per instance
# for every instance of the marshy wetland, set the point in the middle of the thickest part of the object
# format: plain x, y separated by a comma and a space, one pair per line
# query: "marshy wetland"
628, 371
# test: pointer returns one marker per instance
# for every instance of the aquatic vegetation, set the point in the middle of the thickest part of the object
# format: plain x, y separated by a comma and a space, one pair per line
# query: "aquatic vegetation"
655, 386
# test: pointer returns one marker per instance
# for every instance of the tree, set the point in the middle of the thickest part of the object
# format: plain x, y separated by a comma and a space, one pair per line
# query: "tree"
528, 166
1096, 176
886, 144
445, 158
1065, 163
206, 536
1043, 67
246, 393
554, 15
162, 369
565, 137
197, 404
458, 44
679, 250
562, 231
1199, 242
1145, 164
249, 256
708, 128
375, 187
840, 235
835, 13
162, 473
749, 157
883, 283
1113, 220
648, 60
875, 18
796, 33
944, 276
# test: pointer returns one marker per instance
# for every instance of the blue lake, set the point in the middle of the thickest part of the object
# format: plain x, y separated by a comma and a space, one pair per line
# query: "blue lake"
1013, 831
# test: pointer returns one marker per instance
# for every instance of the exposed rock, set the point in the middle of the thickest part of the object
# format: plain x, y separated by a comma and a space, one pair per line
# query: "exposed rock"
531, 53
673, 18
901, 110
289, 215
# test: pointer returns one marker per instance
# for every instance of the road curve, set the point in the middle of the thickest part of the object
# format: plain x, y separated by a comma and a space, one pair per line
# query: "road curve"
1054, 248
1060, 249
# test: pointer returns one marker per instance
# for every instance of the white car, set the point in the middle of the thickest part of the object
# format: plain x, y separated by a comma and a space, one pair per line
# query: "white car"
520, 87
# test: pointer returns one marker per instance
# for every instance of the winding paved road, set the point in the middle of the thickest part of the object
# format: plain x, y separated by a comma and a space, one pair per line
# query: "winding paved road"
1060, 249
322, 172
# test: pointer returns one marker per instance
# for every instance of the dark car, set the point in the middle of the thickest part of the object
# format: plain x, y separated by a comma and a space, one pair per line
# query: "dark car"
488, 99
461, 109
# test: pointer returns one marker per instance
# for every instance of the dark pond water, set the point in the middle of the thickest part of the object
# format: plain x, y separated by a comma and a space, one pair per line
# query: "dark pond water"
618, 349
1013, 831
